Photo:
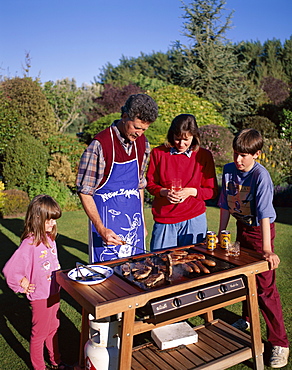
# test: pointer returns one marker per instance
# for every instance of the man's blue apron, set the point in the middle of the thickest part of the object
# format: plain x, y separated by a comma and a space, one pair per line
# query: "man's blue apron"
119, 205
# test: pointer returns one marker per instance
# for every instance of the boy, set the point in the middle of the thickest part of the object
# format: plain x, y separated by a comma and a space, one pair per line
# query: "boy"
247, 194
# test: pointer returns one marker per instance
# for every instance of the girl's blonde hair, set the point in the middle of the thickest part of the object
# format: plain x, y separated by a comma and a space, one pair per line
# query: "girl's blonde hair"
41, 208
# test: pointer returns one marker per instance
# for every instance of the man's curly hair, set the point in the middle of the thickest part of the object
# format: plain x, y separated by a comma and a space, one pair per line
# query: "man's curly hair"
141, 106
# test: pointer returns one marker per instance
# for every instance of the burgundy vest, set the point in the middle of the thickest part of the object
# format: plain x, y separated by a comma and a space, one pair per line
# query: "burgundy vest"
104, 137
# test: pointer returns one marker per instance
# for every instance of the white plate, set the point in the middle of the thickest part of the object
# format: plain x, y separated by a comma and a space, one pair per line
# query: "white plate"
74, 274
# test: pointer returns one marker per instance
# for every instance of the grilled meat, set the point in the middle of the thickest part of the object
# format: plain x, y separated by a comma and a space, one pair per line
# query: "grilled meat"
194, 267
153, 279
186, 267
169, 264
126, 269
138, 266
142, 273
208, 262
179, 253
202, 267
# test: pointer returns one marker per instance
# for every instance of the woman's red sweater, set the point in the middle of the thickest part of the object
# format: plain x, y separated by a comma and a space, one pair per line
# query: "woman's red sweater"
198, 172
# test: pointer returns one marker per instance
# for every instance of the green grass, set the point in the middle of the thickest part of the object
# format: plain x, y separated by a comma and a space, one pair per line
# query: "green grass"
72, 245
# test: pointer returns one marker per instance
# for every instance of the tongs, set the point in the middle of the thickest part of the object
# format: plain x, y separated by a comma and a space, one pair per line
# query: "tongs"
96, 275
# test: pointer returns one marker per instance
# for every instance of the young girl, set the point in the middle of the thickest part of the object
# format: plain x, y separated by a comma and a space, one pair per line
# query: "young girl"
179, 216
31, 270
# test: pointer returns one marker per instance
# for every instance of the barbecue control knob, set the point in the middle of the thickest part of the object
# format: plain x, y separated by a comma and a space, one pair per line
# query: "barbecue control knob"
176, 302
223, 288
201, 295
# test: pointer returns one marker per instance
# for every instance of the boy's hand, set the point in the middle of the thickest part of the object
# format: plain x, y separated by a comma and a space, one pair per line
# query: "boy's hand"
26, 286
272, 258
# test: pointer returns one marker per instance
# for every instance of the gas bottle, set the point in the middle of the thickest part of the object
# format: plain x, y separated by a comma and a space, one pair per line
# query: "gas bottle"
102, 348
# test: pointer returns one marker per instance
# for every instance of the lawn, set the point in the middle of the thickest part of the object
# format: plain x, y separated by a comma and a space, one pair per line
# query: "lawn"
72, 245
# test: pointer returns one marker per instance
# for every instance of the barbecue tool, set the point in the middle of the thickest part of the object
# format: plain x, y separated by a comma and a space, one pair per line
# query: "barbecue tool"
96, 275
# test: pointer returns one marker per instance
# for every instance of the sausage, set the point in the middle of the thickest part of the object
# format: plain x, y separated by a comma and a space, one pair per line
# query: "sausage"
202, 267
194, 267
209, 262
186, 267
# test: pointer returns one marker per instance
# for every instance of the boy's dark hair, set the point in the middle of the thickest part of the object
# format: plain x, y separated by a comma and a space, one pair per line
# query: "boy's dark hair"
181, 124
248, 141
141, 106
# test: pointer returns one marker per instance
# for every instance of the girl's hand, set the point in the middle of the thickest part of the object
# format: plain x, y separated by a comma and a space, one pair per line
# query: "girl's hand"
187, 192
272, 258
176, 197
26, 286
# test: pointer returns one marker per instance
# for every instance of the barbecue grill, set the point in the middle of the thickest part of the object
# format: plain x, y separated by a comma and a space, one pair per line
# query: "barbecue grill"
219, 346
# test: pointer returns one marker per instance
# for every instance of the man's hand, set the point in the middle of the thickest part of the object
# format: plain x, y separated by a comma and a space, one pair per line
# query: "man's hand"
26, 286
272, 258
109, 236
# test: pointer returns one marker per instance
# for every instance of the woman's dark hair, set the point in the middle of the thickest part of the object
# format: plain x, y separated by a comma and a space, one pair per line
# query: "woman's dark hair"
141, 106
181, 124
41, 208
248, 141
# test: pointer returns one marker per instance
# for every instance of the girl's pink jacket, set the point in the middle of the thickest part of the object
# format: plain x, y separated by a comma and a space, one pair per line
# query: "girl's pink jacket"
38, 265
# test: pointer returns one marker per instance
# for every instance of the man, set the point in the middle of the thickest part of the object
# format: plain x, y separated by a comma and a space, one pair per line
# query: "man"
111, 182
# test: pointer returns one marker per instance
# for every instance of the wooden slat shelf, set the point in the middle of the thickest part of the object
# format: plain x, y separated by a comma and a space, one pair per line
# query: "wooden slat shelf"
219, 347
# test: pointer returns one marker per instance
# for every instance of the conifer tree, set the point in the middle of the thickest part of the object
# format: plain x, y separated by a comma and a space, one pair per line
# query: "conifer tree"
211, 68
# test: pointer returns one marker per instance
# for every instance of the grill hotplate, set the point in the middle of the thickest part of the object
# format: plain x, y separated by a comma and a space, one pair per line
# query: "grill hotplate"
179, 274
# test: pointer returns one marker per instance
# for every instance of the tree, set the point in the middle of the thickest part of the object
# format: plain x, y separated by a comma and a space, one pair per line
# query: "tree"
287, 59
25, 98
211, 68
155, 65
111, 100
272, 57
65, 99
277, 90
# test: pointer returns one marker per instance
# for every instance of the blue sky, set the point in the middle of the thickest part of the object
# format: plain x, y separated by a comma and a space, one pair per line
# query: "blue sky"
75, 38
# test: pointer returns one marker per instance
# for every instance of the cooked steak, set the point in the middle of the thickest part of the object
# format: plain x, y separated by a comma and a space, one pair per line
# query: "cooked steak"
142, 273
153, 279
126, 269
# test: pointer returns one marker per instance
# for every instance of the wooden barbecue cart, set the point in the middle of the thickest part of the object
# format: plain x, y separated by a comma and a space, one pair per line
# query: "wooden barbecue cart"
220, 345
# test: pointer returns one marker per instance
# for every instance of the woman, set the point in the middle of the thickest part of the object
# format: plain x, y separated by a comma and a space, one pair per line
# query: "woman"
180, 216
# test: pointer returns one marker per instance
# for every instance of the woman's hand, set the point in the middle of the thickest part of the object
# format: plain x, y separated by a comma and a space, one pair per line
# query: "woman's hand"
187, 192
26, 286
176, 197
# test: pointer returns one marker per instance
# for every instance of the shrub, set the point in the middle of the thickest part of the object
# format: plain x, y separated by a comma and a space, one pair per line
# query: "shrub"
10, 124
25, 97
15, 202
283, 196
286, 125
276, 156
66, 145
111, 100
60, 192
25, 162
95, 127
218, 140
2, 197
276, 90
60, 169
262, 124
173, 100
